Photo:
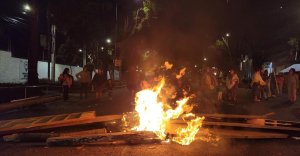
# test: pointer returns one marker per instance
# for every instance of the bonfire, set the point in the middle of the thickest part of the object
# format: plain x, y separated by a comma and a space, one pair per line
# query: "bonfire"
154, 114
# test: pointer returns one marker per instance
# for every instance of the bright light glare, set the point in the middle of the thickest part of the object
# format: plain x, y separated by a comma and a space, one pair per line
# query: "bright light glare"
227, 34
80, 50
108, 40
27, 7
205, 59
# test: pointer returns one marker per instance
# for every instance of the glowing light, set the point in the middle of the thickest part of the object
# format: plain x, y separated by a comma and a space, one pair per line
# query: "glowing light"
204, 59
167, 65
27, 7
108, 40
181, 73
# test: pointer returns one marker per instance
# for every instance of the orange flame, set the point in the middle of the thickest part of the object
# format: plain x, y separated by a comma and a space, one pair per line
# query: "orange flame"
181, 73
167, 65
154, 115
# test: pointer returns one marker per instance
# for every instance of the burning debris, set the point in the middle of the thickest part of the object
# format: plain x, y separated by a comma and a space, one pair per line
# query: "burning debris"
154, 114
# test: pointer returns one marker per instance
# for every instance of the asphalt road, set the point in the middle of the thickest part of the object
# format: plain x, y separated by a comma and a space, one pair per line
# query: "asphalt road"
222, 148
121, 103
122, 99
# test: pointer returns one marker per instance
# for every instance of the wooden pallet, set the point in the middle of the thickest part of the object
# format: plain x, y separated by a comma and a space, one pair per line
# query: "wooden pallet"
44, 122
244, 121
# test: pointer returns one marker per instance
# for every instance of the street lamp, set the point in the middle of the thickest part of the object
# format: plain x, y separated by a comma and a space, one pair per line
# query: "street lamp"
225, 39
108, 40
26, 7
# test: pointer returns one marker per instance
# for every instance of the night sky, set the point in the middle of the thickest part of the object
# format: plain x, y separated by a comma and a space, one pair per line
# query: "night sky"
184, 29
266, 25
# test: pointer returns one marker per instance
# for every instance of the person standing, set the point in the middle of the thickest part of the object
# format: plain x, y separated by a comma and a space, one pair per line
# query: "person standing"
280, 81
274, 89
98, 82
266, 88
109, 84
66, 81
84, 78
233, 86
132, 81
292, 85
257, 83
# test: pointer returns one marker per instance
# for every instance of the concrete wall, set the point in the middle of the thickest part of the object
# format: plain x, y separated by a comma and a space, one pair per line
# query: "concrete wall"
15, 70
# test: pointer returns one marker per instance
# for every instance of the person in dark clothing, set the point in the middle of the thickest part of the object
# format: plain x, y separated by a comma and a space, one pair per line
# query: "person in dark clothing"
98, 82
273, 85
266, 88
132, 81
66, 81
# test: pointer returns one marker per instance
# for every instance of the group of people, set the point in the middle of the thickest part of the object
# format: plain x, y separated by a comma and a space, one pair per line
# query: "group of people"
223, 88
265, 85
98, 82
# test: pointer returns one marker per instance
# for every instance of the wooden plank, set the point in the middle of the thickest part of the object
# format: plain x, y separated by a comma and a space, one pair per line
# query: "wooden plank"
128, 137
87, 132
7, 123
233, 116
73, 122
245, 134
29, 137
42, 137
212, 134
241, 125
42, 123
59, 117
73, 116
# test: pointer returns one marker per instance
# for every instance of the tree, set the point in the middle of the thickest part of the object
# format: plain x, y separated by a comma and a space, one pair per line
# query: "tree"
82, 23
294, 44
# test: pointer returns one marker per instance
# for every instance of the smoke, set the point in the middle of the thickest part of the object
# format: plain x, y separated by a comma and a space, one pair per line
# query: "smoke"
180, 31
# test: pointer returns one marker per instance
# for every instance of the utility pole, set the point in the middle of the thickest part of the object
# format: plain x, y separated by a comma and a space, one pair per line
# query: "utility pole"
116, 39
84, 55
34, 46
48, 42
53, 34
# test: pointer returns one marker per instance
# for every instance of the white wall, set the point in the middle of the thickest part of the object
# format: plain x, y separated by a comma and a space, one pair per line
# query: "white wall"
59, 68
15, 70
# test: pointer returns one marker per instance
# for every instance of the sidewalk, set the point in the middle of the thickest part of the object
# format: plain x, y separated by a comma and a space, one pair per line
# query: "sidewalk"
119, 104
